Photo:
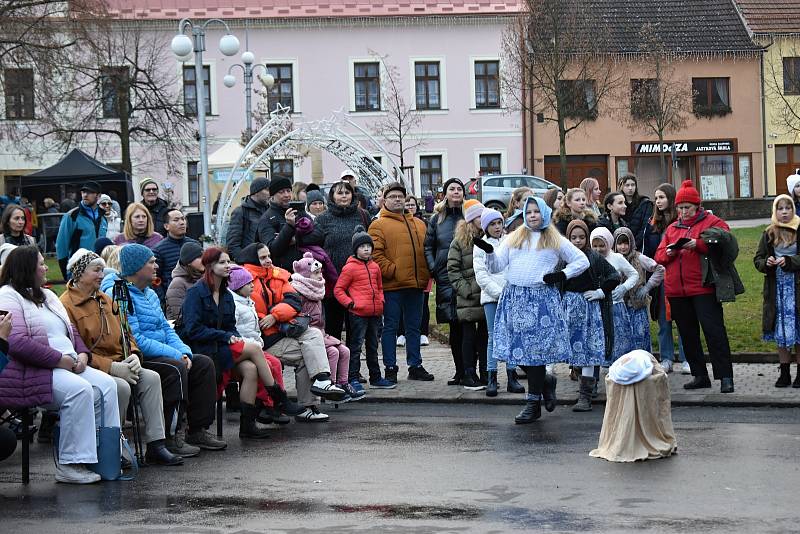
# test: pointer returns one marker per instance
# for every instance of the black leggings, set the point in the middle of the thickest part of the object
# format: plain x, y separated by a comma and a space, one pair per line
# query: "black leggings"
536, 375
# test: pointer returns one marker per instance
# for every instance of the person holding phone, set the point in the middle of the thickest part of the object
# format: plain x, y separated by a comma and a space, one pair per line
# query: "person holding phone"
693, 302
277, 227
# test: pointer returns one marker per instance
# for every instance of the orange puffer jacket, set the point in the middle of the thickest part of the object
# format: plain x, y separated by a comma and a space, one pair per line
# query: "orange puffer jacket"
273, 295
360, 285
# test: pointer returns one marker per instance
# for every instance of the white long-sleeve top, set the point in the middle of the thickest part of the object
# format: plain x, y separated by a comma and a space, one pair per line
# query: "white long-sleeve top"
626, 270
650, 265
491, 283
526, 266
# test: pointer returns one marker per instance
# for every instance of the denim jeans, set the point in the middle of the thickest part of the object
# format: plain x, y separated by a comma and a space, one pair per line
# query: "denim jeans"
490, 309
361, 329
408, 304
666, 345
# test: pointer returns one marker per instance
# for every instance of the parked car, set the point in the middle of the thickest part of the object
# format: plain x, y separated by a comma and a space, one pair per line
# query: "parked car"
494, 190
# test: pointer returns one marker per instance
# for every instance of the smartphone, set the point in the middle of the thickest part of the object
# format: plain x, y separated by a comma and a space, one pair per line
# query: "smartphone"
3, 312
679, 243
297, 205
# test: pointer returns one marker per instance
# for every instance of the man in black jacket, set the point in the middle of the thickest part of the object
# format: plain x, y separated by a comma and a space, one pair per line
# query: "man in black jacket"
156, 205
168, 250
277, 227
244, 219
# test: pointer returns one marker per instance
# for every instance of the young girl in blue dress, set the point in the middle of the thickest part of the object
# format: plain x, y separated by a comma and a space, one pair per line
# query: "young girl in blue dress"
777, 257
530, 328
603, 243
638, 299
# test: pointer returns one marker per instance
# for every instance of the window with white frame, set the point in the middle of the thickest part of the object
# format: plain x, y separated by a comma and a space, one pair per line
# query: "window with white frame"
114, 84
487, 84
427, 84
367, 86
490, 164
18, 92
283, 91
430, 172
193, 183
282, 168
190, 90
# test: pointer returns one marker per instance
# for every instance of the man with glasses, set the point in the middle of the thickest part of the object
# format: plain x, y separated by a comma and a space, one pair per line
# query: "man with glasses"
399, 239
168, 250
81, 226
157, 206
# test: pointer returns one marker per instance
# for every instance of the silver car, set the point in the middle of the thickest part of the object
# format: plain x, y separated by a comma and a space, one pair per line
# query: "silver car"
495, 190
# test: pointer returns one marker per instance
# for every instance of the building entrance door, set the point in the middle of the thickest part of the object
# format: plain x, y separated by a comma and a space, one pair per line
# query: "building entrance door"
578, 168
787, 161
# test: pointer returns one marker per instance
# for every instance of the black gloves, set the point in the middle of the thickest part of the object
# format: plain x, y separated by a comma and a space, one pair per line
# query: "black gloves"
483, 245
552, 279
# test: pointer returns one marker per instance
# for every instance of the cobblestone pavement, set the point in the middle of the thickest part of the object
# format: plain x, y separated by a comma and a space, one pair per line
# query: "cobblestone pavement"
754, 385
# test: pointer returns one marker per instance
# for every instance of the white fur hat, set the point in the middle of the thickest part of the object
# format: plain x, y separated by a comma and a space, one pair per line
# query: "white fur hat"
791, 181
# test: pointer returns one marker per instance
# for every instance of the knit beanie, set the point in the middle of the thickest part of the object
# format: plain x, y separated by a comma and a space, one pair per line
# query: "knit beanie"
361, 237
80, 261
101, 243
190, 251
791, 181
488, 215
258, 184
687, 193
5, 250
144, 183
315, 195
239, 278
452, 181
472, 210
279, 184
132, 258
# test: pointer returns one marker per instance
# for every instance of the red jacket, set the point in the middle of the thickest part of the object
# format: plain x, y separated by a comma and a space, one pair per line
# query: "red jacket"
360, 285
684, 276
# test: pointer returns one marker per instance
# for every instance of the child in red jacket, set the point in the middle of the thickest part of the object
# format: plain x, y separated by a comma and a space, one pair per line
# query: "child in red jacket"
360, 290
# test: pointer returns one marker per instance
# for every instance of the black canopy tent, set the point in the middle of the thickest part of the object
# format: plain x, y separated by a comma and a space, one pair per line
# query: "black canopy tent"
70, 173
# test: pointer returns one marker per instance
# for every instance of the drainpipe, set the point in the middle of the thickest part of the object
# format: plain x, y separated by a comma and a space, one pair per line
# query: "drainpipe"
764, 124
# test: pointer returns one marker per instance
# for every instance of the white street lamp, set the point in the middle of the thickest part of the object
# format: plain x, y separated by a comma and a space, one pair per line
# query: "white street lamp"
248, 69
182, 46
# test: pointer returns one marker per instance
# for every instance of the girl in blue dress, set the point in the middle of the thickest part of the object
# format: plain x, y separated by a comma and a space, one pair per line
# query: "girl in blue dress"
530, 328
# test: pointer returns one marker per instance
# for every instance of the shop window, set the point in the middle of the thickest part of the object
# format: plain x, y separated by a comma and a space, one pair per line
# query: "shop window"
426, 85
791, 75
644, 98
711, 97
489, 164
282, 168
579, 98
716, 177
283, 91
430, 172
487, 84
18, 90
367, 85
193, 183
745, 178
190, 90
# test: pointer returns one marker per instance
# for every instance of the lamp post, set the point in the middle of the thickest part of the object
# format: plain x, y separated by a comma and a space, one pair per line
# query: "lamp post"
183, 46
248, 70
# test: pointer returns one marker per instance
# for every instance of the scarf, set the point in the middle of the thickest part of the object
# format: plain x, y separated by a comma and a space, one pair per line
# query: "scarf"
309, 288
791, 225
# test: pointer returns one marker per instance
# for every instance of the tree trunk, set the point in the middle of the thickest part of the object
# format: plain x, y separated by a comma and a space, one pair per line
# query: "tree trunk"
662, 157
562, 152
124, 129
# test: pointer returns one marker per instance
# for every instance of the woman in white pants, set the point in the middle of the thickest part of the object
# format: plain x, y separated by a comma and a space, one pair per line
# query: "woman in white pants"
49, 366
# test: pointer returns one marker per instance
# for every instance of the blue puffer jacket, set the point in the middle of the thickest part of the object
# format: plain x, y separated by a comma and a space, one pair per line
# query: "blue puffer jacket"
207, 327
153, 334
78, 229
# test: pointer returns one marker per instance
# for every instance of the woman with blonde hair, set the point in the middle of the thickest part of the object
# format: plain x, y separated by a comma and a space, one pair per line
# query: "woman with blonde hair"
530, 328
593, 192
139, 227
574, 208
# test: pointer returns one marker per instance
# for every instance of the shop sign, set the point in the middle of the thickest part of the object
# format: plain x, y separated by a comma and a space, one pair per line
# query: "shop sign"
686, 147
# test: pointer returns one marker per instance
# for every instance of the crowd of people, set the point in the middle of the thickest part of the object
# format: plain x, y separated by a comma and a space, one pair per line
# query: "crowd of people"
312, 281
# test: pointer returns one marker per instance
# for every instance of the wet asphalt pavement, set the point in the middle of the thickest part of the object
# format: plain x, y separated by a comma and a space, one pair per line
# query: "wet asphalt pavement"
440, 468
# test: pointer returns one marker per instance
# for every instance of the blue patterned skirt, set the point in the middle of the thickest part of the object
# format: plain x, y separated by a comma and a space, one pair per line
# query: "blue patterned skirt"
530, 326
787, 326
585, 325
640, 323
623, 330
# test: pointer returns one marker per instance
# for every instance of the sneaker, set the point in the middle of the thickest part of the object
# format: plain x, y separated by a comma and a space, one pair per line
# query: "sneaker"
327, 390
75, 474
667, 366
176, 445
311, 415
357, 385
352, 393
382, 383
419, 373
424, 341
205, 440
401, 341
361, 379
685, 369
471, 383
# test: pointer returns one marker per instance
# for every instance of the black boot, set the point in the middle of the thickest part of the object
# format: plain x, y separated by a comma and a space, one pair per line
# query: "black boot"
247, 423
796, 383
232, 403
785, 380
471, 381
584, 403
491, 387
282, 402
549, 392
530, 413
513, 385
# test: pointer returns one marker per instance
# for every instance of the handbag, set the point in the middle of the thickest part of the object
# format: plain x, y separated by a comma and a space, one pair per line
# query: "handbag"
110, 444
296, 327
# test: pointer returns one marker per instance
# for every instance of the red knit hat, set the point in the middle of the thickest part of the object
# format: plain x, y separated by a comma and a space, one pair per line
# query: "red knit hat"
687, 193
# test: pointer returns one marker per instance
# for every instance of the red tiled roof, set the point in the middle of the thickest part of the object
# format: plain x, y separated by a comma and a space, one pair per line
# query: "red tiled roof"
176, 9
771, 16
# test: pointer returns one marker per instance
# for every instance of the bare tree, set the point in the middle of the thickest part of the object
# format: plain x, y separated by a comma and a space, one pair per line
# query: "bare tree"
660, 103
782, 85
401, 127
556, 65
115, 87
